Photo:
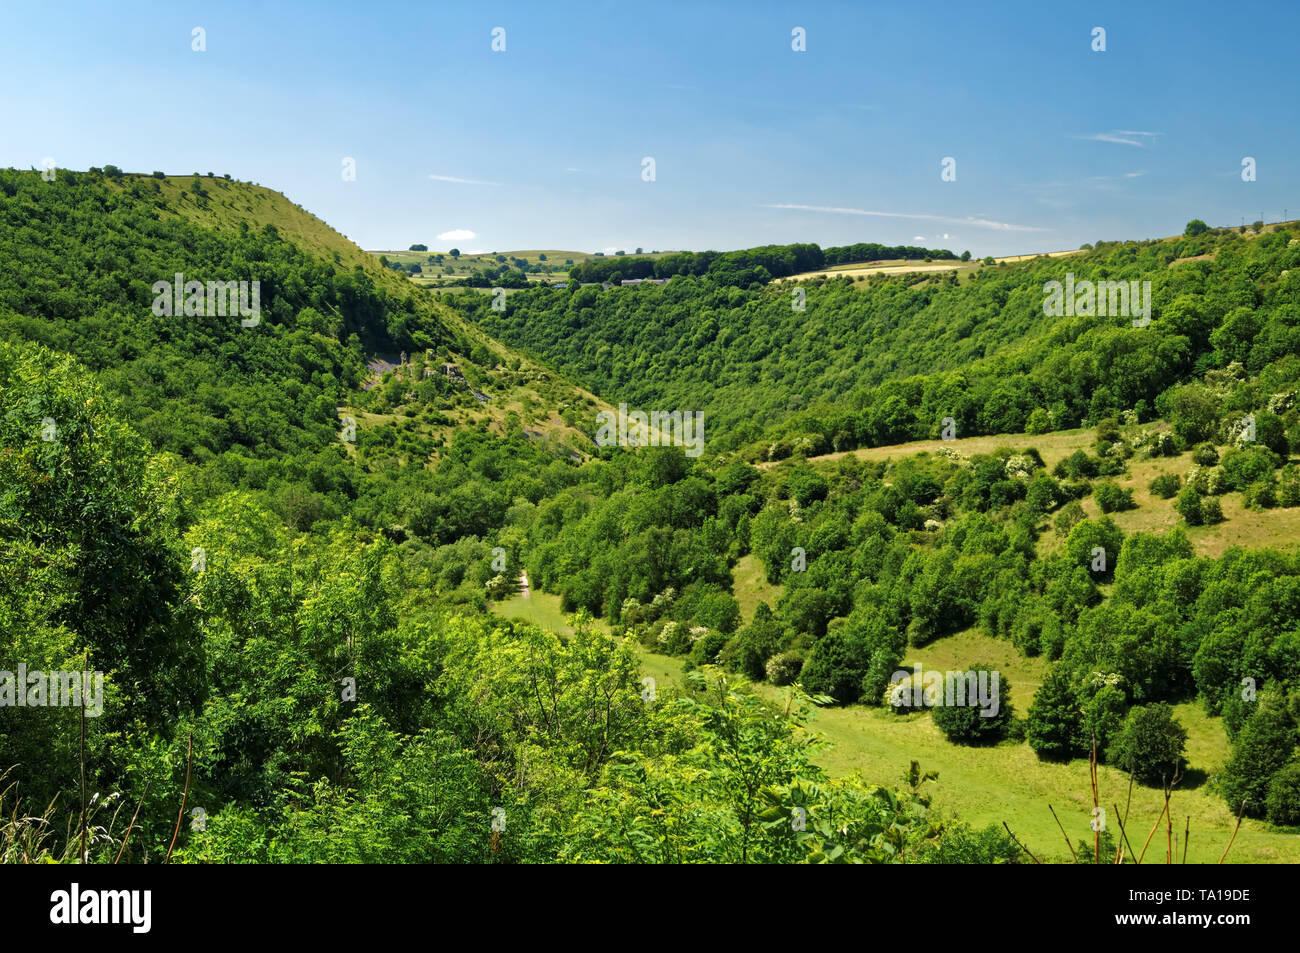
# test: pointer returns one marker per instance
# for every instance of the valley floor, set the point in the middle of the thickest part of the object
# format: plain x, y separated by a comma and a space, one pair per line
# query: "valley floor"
1006, 782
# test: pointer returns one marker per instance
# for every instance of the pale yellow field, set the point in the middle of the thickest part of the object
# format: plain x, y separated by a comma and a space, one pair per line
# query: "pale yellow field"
1050, 446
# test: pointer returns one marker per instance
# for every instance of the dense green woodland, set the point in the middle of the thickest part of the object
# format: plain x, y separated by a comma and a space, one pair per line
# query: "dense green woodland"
735, 268
331, 681
923, 548
885, 361
327, 677
749, 265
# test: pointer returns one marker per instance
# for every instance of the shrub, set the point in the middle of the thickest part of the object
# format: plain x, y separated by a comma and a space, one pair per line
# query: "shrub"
718, 610
834, 667
1243, 466
1076, 465
784, 668
1040, 421
1270, 431
1076, 490
706, 648
674, 638
1283, 802
501, 587
1150, 744
1103, 714
1164, 445
1042, 494
1261, 495
1054, 716
1204, 455
1113, 498
962, 844
1188, 506
1289, 492
1264, 745
752, 647
968, 724
1165, 485
1016, 729
1071, 514
808, 487
1211, 511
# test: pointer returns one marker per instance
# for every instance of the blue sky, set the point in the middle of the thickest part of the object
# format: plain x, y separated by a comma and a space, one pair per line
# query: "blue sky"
541, 146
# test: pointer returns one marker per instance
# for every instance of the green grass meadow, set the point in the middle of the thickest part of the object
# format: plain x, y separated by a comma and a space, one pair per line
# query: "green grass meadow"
1006, 782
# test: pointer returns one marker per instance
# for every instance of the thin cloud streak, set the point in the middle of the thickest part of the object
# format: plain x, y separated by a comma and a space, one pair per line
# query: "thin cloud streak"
459, 181
1124, 137
973, 222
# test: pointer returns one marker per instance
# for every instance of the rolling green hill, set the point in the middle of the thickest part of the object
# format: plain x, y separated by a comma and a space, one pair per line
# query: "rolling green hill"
92, 245
280, 542
884, 360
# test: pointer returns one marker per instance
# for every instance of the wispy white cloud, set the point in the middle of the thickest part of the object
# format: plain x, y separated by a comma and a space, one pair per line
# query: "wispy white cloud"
457, 235
1111, 137
460, 181
1124, 137
971, 221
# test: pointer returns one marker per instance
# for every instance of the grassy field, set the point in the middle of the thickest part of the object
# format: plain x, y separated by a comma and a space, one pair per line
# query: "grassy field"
910, 267
960, 650
541, 609
554, 267
1278, 528
751, 586
1052, 447
1006, 782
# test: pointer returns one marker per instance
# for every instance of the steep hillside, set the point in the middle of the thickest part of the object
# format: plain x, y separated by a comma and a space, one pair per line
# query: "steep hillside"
839, 363
309, 381
233, 206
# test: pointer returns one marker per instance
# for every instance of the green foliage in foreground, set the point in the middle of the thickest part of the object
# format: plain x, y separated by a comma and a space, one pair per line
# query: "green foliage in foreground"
299, 626
334, 712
